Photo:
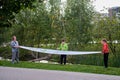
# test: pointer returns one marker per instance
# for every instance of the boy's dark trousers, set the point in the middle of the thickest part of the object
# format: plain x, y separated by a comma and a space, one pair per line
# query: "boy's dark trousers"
63, 59
106, 59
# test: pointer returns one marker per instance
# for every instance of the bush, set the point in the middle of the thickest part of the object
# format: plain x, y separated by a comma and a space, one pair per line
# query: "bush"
5, 52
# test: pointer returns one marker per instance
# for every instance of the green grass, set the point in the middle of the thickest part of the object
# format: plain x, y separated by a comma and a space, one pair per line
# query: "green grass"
72, 68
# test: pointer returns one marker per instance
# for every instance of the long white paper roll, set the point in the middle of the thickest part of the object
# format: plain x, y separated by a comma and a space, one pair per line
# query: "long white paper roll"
59, 52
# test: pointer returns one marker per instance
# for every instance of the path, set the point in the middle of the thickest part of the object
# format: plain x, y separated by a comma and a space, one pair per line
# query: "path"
8, 73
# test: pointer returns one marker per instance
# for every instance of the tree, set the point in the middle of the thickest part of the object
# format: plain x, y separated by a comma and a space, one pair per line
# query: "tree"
33, 24
7, 7
78, 21
45, 24
108, 28
10, 6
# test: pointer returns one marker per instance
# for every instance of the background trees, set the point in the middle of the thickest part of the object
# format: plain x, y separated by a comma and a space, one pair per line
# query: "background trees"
78, 21
109, 29
44, 23
7, 7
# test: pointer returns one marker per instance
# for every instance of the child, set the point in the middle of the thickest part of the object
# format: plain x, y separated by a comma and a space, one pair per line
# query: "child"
105, 51
64, 47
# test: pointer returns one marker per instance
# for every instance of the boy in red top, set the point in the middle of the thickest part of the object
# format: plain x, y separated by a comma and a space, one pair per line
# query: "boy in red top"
105, 51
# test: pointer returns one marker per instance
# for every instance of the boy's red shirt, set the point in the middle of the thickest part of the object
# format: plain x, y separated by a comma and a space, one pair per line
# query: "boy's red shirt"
105, 48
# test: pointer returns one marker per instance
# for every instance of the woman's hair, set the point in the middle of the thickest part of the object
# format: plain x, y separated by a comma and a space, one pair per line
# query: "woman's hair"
104, 40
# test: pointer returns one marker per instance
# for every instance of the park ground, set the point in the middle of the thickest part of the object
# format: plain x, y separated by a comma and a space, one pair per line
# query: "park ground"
69, 67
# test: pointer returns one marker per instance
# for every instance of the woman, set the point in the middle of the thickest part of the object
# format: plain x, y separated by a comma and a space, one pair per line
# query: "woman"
15, 51
105, 51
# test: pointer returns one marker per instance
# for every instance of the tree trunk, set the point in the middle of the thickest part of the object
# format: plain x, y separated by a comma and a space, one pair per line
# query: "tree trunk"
42, 58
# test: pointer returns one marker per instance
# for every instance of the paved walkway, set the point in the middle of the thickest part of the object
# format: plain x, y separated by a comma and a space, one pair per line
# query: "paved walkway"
8, 73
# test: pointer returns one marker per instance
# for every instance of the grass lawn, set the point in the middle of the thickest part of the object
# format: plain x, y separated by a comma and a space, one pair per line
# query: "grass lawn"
72, 68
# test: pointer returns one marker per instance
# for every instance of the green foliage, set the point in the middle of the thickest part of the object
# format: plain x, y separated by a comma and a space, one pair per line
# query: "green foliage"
38, 24
44, 26
10, 6
7, 7
109, 29
78, 20
33, 24
5, 52
32, 28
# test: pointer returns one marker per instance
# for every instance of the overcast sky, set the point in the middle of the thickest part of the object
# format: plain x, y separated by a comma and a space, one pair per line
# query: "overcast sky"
101, 4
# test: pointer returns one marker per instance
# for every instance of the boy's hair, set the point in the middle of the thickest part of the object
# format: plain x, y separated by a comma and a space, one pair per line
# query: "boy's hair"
63, 40
104, 40
13, 37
